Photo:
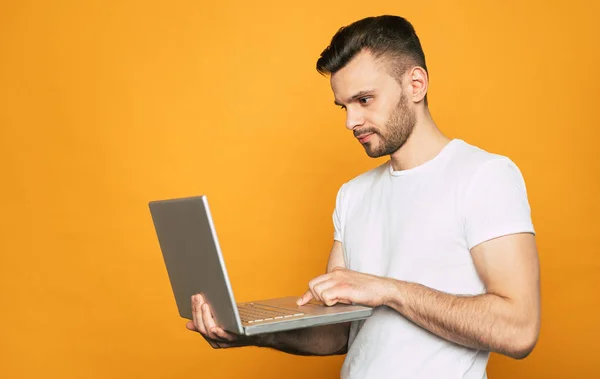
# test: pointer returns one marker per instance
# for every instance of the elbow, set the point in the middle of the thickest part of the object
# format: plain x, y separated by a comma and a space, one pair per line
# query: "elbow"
523, 343
521, 352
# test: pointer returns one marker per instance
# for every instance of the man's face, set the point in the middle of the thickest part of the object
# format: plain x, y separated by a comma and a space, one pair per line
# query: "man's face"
377, 109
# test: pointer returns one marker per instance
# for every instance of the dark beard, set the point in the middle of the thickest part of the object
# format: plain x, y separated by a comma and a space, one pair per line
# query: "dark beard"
397, 130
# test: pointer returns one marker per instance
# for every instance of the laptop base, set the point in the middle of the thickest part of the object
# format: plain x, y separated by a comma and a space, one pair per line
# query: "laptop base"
313, 314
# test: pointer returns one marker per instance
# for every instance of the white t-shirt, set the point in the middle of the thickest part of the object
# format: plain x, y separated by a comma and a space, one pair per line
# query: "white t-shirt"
419, 225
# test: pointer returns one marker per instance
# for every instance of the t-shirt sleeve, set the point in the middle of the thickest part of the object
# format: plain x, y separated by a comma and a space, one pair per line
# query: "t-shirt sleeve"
337, 216
496, 203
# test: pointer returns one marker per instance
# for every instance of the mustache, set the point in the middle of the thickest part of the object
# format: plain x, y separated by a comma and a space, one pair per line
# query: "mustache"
362, 132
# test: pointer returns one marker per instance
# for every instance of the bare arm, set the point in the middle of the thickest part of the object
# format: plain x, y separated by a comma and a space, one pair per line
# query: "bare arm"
322, 340
506, 319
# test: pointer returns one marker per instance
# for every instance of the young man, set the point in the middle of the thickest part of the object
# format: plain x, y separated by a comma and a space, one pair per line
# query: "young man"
439, 239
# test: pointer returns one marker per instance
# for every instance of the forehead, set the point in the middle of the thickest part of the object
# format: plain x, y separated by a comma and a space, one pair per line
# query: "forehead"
363, 72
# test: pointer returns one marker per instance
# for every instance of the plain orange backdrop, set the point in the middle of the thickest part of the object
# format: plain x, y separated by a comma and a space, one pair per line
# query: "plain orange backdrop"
106, 105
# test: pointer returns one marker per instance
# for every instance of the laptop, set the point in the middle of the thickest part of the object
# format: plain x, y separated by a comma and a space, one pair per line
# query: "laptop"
194, 262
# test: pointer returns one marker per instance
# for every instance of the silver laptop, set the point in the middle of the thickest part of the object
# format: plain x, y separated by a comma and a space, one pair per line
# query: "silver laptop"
192, 255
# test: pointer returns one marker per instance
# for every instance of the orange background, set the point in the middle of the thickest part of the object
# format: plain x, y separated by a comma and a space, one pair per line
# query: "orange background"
106, 105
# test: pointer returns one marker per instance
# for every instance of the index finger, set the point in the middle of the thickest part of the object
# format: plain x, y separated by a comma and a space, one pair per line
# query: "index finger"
308, 296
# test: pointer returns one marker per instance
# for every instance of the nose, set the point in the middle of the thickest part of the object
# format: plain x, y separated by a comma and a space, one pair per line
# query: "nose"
354, 118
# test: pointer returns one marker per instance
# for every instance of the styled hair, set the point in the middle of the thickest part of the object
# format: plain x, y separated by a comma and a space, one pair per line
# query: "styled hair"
389, 38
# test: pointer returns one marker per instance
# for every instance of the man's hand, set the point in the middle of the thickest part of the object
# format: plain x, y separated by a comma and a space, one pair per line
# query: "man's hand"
322, 340
205, 324
346, 286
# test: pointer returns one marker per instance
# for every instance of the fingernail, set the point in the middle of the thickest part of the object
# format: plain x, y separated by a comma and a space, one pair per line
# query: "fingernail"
299, 301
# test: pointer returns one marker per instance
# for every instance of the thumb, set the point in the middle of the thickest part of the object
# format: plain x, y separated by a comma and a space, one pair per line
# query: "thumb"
305, 298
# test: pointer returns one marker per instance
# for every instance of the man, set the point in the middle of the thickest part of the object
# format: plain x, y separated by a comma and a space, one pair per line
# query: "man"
439, 239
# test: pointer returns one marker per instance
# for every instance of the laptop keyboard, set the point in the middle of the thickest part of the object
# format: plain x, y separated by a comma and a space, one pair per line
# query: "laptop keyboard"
252, 313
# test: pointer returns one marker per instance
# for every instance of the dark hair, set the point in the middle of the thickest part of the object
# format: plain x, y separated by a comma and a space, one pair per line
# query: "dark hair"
388, 37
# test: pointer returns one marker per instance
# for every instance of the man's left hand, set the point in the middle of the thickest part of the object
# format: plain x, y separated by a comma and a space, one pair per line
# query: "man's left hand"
349, 287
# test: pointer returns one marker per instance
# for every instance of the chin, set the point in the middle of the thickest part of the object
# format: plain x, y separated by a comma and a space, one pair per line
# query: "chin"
378, 151
373, 153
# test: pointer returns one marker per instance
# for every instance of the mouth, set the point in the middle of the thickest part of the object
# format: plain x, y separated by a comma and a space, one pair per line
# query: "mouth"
364, 137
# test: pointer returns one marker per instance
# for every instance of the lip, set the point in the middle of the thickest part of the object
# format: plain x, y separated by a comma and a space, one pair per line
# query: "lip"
365, 137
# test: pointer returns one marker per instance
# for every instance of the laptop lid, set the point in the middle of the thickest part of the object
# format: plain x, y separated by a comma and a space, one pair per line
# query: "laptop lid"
193, 258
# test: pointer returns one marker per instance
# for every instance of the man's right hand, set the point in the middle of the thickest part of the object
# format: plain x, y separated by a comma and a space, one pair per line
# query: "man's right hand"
322, 340
204, 323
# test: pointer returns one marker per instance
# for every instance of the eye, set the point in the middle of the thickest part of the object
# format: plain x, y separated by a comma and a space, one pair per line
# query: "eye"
365, 100
342, 107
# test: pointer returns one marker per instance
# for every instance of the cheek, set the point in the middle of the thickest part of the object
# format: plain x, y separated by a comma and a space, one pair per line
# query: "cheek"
377, 116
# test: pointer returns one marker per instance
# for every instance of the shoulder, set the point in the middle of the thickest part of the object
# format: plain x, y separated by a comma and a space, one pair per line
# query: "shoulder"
493, 200
472, 163
361, 183
489, 182
471, 158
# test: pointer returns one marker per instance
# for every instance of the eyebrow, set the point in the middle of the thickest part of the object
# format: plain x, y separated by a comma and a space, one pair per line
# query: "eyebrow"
357, 96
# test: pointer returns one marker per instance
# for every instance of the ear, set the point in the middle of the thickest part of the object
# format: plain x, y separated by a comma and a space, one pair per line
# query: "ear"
418, 84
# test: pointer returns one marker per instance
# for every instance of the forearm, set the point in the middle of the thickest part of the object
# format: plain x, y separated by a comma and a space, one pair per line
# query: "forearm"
486, 322
321, 340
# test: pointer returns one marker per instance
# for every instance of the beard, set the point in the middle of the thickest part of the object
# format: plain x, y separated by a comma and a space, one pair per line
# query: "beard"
398, 128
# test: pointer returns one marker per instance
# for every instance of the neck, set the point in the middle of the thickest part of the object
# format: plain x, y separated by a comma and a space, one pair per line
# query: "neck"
425, 142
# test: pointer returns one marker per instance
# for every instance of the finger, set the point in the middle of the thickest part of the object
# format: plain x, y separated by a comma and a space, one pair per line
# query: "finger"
308, 296
198, 320
200, 301
321, 287
316, 281
197, 315
190, 325
224, 335
330, 297
209, 322
194, 314
337, 293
